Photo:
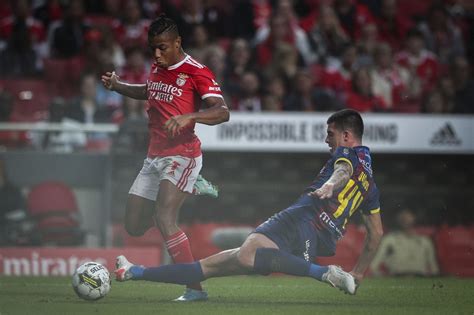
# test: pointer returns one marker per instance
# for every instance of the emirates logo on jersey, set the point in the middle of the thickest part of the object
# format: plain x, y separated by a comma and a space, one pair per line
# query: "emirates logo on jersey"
163, 92
181, 80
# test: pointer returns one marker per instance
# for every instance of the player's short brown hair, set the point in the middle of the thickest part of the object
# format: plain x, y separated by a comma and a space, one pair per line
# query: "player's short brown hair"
348, 119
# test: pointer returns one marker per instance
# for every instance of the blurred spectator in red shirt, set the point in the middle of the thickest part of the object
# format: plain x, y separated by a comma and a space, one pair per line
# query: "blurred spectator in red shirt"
283, 27
393, 24
327, 37
133, 31
337, 75
392, 83
361, 98
353, 16
441, 35
419, 61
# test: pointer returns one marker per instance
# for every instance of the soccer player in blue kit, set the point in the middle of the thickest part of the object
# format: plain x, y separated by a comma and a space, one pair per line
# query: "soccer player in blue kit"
290, 240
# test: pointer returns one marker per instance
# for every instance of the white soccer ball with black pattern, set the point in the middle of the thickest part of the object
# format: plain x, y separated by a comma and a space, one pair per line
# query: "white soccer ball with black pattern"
91, 281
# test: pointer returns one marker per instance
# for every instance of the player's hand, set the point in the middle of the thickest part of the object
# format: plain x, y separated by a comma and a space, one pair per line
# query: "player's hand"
175, 124
324, 192
110, 80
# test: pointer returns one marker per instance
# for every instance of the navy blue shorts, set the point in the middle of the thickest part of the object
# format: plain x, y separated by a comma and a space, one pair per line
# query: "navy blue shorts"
293, 231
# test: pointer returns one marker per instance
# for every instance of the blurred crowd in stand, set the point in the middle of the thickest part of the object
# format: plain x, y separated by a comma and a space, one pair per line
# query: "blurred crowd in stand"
268, 55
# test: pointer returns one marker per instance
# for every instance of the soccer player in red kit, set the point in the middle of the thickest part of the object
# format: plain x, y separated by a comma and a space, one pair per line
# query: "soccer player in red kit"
174, 90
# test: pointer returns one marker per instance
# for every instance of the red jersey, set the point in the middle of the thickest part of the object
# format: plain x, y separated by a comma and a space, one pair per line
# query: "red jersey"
177, 90
426, 66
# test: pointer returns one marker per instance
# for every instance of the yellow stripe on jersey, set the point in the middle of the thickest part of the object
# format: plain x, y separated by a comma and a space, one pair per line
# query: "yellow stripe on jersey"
374, 211
345, 160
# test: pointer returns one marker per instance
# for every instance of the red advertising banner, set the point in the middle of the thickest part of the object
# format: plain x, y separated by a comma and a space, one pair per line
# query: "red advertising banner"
63, 261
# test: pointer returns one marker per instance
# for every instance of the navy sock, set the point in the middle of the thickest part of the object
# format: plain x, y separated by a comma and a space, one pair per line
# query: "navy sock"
177, 273
268, 260
317, 271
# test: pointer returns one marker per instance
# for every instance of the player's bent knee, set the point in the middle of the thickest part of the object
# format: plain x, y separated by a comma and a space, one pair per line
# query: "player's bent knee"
134, 230
245, 259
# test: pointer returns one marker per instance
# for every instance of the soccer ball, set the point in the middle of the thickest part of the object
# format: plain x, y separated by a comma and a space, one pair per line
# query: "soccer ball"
91, 281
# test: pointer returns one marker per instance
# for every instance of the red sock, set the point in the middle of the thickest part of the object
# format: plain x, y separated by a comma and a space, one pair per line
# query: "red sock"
180, 251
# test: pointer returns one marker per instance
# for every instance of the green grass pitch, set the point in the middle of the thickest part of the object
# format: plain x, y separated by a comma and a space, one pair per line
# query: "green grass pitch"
243, 295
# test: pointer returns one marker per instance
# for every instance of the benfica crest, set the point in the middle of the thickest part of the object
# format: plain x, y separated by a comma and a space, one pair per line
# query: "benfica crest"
181, 80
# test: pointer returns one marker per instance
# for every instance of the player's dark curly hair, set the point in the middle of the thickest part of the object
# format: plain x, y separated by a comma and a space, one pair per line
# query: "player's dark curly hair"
163, 24
348, 119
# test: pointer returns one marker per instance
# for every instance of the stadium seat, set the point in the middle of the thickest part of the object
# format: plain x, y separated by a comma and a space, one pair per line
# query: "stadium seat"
30, 99
53, 207
455, 249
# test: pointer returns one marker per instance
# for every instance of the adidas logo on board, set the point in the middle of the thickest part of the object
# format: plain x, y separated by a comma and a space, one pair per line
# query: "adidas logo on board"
445, 135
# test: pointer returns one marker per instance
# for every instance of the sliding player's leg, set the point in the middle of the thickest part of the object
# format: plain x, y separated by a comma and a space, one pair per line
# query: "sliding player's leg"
236, 261
259, 254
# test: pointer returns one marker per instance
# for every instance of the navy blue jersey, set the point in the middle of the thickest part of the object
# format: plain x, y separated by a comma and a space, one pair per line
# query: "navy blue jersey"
360, 192
310, 226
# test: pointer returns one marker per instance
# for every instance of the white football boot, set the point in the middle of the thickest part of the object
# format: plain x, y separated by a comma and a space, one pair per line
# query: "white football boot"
122, 273
338, 278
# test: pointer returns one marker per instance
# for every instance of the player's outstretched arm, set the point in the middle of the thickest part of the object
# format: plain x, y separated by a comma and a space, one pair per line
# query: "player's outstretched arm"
215, 113
112, 82
373, 225
339, 178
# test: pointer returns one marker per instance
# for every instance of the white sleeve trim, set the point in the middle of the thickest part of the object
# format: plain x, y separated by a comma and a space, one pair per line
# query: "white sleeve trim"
211, 95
